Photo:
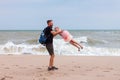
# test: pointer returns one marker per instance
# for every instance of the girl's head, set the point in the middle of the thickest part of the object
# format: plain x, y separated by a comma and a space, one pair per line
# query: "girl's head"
57, 29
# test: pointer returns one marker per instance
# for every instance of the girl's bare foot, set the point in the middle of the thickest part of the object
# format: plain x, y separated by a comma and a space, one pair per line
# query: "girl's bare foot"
78, 49
81, 47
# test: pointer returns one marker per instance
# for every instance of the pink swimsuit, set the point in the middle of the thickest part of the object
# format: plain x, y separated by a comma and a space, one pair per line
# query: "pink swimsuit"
66, 36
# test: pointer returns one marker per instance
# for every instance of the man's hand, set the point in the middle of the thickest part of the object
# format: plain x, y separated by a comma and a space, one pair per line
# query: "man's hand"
56, 32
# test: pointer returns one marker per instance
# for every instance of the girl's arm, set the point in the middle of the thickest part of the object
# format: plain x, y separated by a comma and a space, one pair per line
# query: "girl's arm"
55, 33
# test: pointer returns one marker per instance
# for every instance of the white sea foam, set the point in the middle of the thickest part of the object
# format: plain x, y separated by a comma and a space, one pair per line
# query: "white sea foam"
61, 48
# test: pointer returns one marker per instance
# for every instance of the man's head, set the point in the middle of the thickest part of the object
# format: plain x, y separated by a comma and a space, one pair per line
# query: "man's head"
50, 23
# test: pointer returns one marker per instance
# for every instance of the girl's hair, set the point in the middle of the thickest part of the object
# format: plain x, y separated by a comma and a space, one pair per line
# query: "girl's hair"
56, 27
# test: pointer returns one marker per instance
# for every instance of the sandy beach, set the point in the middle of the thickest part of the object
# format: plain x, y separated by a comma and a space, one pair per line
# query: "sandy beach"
29, 67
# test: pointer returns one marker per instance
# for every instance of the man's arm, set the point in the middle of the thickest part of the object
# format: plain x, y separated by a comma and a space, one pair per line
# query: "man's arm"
55, 33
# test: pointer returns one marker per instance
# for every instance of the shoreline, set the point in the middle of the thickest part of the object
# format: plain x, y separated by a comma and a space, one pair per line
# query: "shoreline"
34, 67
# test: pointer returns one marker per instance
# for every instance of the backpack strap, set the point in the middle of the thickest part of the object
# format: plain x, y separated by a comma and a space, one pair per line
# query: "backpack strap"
44, 31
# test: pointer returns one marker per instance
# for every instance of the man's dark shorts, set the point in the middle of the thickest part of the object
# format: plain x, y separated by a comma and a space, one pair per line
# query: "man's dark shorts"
50, 48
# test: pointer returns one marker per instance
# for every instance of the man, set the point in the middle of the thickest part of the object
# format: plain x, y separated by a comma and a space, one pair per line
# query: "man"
49, 43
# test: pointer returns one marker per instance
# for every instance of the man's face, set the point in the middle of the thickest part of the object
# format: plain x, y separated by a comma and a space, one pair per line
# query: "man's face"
50, 23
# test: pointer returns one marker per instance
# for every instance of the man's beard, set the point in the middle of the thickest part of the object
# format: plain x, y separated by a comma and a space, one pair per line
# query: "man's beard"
51, 25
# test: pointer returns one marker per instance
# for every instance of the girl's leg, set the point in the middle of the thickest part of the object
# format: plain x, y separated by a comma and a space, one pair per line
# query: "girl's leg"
75, 45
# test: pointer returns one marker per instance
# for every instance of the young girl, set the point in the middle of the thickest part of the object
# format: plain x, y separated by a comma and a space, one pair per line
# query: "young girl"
68, 38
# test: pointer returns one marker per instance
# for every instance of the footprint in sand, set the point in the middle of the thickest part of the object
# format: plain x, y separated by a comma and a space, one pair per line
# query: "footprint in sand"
106, 71
39, 68
88, 69
16, 65
2, 64
72, 70
110, 68
77, 66
4, 78
100, 75
6, 68
41, 74
44, 78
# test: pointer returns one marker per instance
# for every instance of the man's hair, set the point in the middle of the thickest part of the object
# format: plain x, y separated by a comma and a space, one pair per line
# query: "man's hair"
48, 21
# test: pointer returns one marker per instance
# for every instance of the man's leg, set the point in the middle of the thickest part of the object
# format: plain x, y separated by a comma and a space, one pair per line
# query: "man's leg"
51, 53
51, 62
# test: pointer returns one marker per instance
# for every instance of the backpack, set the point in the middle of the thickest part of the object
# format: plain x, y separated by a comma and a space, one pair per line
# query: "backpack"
42, 38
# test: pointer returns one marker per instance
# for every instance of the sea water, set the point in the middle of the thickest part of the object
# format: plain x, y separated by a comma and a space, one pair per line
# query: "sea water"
95, 43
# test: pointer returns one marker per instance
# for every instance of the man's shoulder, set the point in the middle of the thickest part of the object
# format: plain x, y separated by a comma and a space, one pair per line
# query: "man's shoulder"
48, 28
